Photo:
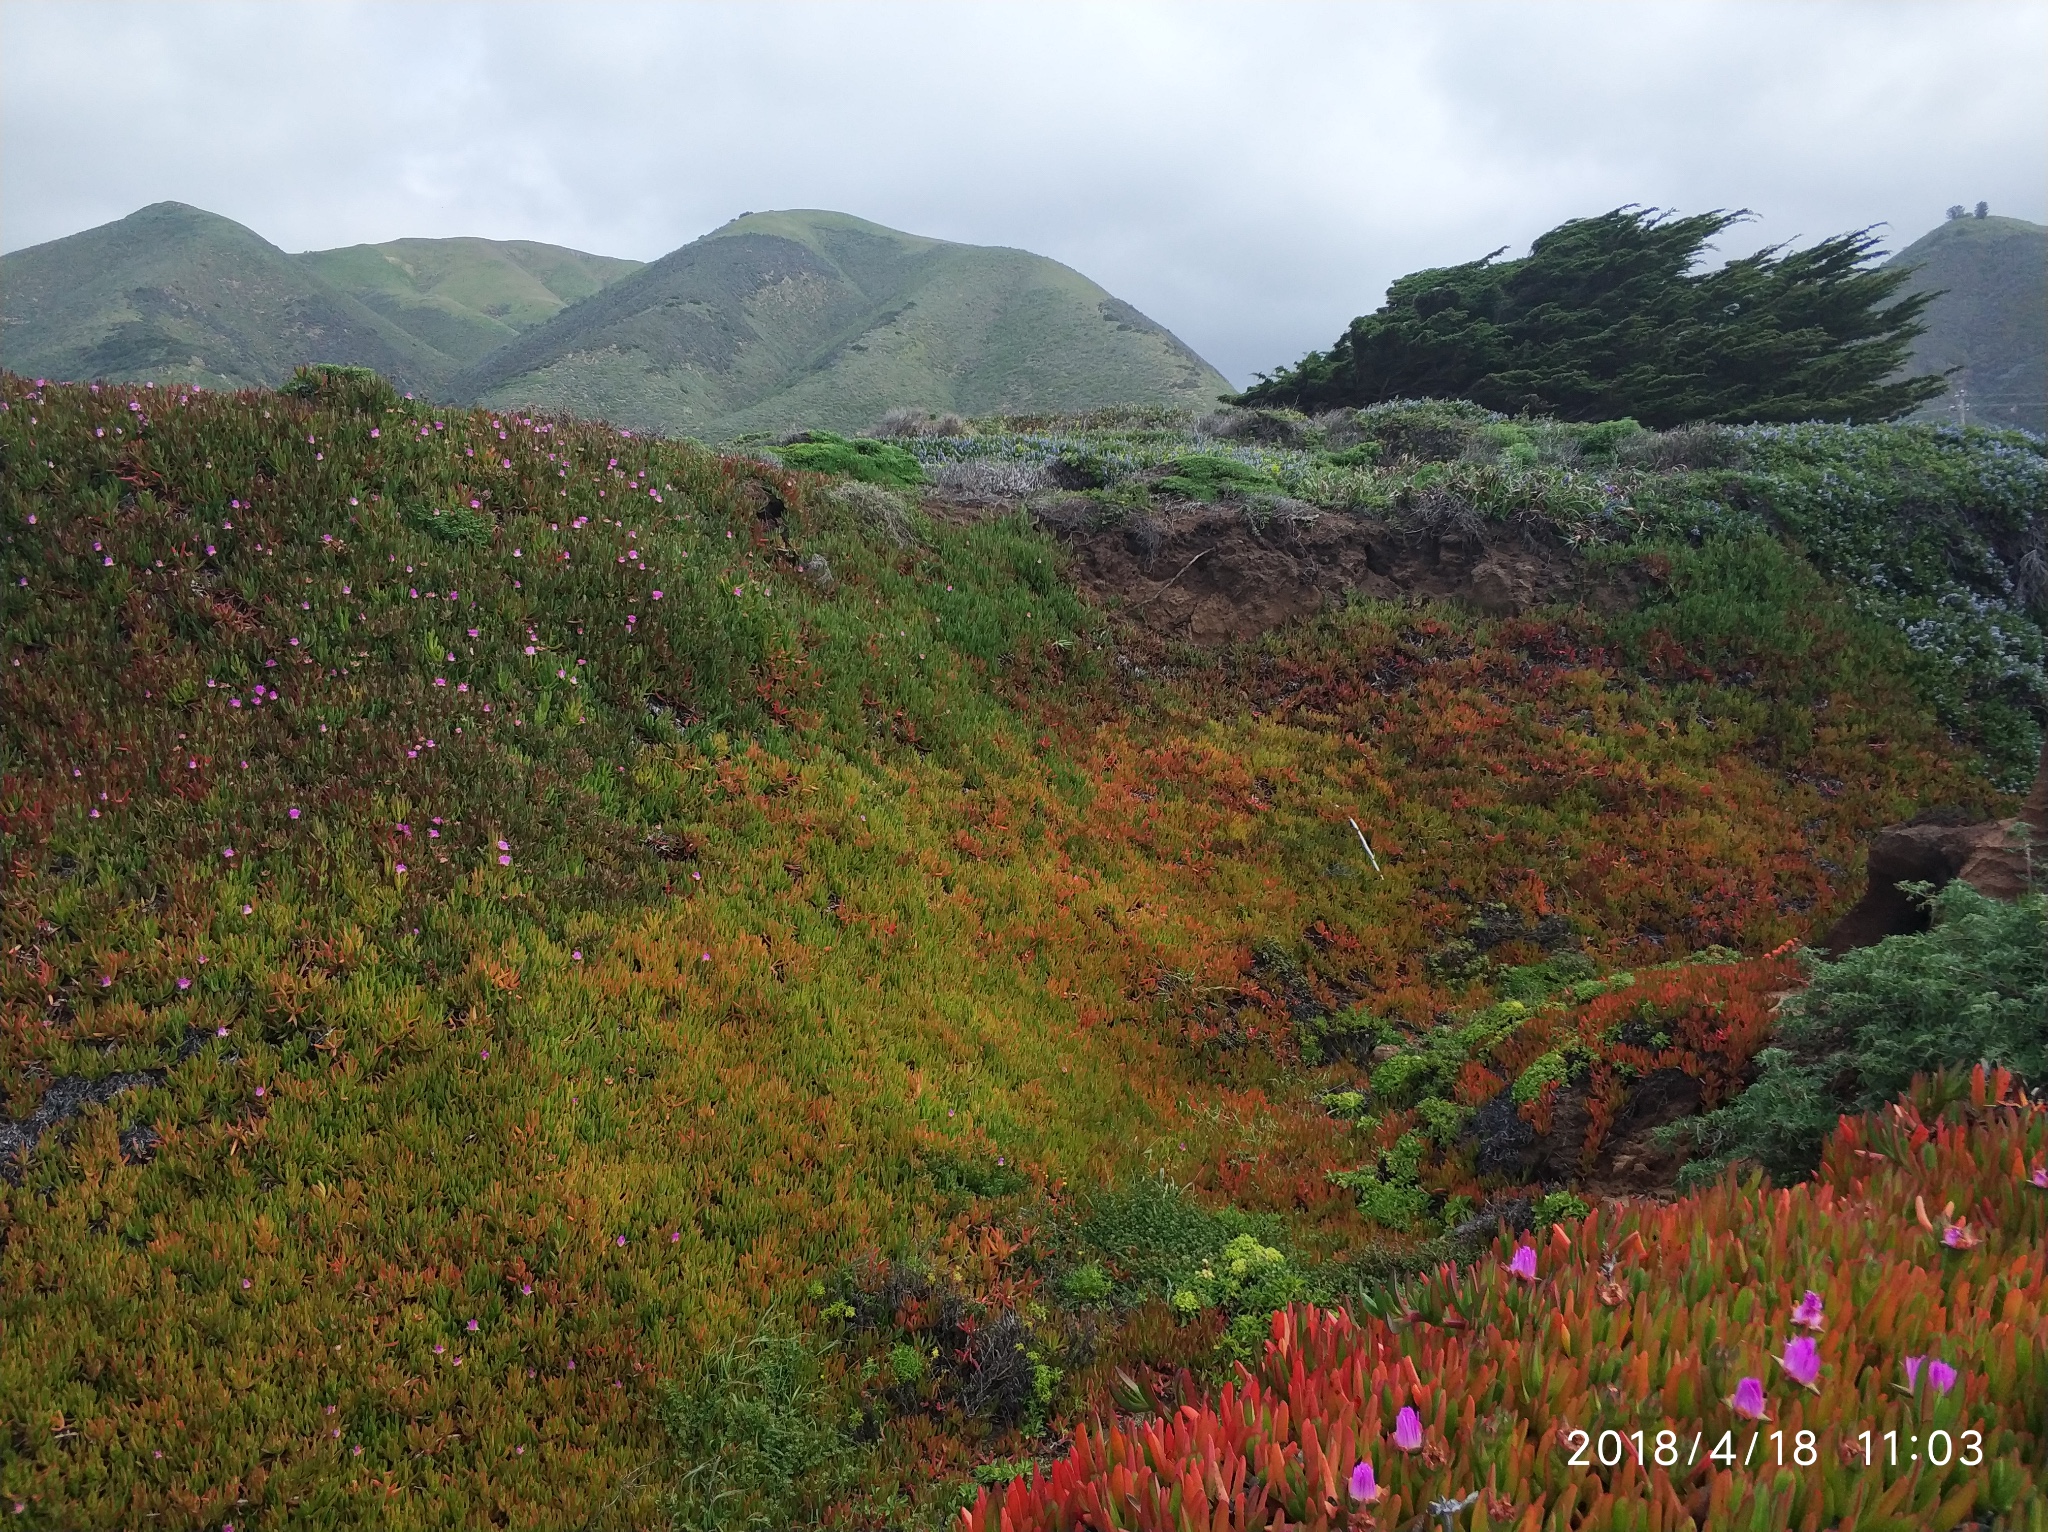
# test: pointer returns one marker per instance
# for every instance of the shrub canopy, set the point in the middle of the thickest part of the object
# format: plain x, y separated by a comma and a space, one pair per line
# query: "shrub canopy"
1609, 317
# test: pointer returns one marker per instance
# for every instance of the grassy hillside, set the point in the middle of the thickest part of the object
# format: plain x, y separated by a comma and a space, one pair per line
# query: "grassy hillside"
179, 295
1991, 320
465, 297
808, 319
556, 978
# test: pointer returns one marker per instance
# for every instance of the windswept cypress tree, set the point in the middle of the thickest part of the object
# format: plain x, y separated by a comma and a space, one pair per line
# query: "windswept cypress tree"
1610, 316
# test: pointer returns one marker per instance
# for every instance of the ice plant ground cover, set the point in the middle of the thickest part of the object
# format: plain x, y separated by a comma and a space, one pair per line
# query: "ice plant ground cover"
491, 928
1654, 1375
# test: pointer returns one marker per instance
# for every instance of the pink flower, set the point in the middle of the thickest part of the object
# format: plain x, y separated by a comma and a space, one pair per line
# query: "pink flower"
2040, 1177
1748, 1399
1408, 1430
1959, 1236
622, 1239
1940, 1375
1801, 1362
1364, 1488
183, 982
526, 1288
1807, 1313
472, 1327
1523, 1263
294, 813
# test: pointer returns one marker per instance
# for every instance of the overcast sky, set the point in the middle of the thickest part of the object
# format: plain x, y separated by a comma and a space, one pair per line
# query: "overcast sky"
1251, 176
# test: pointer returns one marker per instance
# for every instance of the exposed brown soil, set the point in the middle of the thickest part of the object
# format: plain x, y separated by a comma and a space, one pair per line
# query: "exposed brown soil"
2000, 858
1208, 574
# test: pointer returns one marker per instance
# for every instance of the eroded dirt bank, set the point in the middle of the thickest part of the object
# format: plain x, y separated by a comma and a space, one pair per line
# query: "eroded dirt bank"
1211, 573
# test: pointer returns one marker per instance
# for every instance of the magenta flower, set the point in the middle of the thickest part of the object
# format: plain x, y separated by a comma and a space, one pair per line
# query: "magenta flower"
1748, 1399
1365, 1488
1408, 1430
183, 982
1801, 1362
1940, 1375
1807, 1313
622, 1239
472, 1327
2040, 1177
1959, 1236
1523, 1263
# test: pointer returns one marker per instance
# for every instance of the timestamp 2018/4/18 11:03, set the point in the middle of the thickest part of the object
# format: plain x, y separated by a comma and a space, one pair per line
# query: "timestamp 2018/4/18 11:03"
1797, 1449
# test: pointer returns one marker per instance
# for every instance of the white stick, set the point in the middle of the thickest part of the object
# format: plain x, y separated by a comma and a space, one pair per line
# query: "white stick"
1368, 847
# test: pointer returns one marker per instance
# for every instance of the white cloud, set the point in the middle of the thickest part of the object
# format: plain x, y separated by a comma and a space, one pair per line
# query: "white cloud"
1250, 175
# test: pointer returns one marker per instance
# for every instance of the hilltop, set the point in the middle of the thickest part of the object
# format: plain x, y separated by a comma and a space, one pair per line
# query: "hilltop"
779, 321
558, 978
465, 297
180, 295
1991, 319
773, 322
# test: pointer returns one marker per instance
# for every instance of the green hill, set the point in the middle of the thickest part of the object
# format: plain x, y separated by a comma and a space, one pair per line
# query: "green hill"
178, 294
465, 297
1991, 319
820, 319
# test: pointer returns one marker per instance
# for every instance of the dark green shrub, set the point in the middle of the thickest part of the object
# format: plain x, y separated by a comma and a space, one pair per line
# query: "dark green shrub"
872, 462
349, 388
1349, 1035
1973, 989
1427, 430
1202, 476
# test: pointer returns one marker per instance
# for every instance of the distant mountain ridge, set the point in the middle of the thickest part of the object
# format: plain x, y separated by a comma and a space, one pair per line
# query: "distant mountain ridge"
1990, 322
776, 320
815, 318
175, 293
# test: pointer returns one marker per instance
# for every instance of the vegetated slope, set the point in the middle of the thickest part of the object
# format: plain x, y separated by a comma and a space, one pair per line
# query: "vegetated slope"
498, 908
465, 297
1991, 319
814, 319
1811, 1357
180, 295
